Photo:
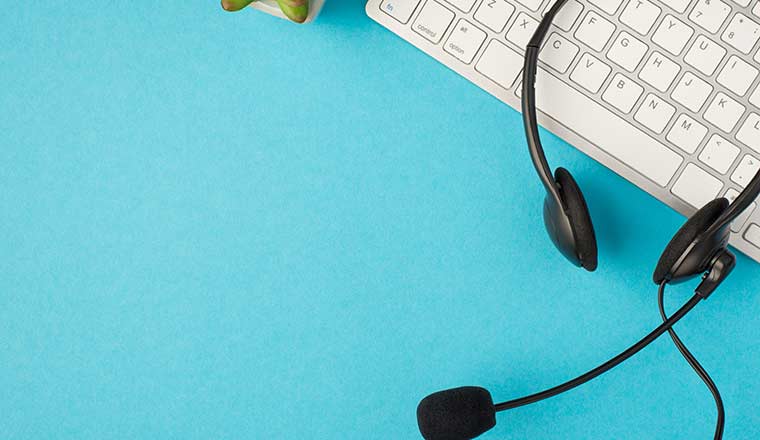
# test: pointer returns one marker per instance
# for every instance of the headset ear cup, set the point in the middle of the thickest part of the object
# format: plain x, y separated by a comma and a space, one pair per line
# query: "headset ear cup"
697, 224
580, 219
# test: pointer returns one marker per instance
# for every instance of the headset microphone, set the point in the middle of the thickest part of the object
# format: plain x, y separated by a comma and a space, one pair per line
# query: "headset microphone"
467, 412
456, 414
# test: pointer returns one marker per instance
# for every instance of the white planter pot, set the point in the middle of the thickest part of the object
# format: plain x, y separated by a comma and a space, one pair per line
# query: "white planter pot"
271, 7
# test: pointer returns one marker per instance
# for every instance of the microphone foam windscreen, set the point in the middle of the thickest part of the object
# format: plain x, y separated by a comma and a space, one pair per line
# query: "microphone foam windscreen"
456, 414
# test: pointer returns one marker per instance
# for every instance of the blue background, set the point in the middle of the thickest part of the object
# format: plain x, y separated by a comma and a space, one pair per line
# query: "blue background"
226, 226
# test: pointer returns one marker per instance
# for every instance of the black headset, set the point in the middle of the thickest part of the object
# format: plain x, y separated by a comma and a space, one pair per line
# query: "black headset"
700, 247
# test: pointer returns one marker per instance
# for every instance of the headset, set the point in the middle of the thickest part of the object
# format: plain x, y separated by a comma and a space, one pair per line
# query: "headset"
700, 247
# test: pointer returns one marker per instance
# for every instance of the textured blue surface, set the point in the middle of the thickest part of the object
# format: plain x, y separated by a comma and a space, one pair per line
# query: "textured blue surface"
225, 226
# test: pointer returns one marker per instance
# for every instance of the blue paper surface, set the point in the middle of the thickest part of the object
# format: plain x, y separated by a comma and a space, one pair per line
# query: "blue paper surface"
227, 226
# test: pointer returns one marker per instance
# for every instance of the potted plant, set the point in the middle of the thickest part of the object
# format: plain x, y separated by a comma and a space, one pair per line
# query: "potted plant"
298, 11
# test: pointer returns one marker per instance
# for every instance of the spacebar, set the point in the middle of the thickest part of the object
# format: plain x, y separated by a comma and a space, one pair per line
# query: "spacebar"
605, 130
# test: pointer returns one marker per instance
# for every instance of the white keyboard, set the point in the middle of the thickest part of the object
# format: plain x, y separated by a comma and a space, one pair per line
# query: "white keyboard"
663, 92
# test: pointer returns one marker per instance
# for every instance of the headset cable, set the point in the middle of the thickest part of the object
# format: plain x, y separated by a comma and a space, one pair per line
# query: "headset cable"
695, 365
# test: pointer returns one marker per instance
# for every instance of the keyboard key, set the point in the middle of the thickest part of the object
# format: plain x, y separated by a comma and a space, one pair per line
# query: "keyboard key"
567, 16
401, 10
590, 73
627, 51
640, 15
744, 3
687, 134
533, 5
748, 167
465, 41
659, 71
705, 55
619, 138
608, 6
692, 92
494, 14
731, 195
719, 154
500, 64
696, 186
558, 52
710, 14
752, 234
672, 35
655, 113
522, 30
433, 21
622, 93
742, 33
741, 220
749, 134
737, 75
462, 5
756, 9
755, 98
678, 5
595, 31
724, 112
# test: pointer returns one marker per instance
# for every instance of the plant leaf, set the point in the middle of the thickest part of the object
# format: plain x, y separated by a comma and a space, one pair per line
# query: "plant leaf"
296, 10
235, 5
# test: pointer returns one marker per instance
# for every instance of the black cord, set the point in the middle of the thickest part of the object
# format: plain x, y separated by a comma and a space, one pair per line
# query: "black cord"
610, 364
695, 365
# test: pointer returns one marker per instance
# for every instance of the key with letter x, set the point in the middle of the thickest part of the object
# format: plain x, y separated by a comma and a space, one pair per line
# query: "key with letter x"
522, 30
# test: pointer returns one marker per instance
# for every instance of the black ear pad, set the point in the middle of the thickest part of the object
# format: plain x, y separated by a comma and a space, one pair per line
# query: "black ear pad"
580, 219
697, 224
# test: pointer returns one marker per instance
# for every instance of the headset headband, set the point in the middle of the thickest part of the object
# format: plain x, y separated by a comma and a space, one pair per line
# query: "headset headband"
530, 120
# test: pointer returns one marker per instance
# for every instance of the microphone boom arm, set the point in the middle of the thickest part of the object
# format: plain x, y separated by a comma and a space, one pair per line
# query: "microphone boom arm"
610, 364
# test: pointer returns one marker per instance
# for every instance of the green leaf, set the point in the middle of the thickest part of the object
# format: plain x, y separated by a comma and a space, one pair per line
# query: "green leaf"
296, 10
235, 5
